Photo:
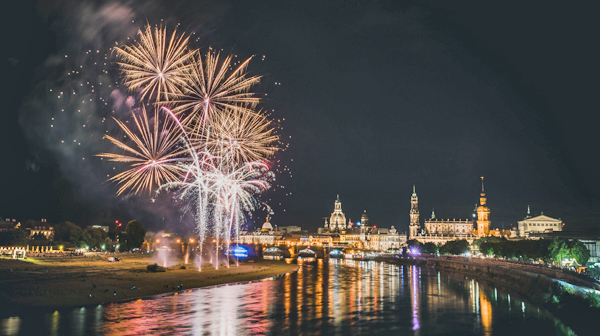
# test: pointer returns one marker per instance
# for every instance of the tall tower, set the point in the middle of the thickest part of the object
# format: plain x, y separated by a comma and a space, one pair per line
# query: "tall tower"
364, 219
483, 215
414, 225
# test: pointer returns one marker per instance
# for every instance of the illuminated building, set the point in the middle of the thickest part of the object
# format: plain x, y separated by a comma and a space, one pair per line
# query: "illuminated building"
316, 240
483, 215
337, 221
267, 227
538, 224
370, 237
361, 235
413, 228
100, 227
382, 239
43, 228
439, 231
266, 235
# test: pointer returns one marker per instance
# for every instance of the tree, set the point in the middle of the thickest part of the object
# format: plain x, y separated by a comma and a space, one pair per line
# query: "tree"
430, 248
69, 232
95, 237
559, 250
455, 247
413, 243
16, 237
135, 233
579, 252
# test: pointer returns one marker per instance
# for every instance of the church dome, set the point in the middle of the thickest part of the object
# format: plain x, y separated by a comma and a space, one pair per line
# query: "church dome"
337, 221
267, 226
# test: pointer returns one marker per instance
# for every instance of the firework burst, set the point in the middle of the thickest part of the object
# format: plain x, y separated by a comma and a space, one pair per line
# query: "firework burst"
244, 135
153, 155
157, 64
212, 85
210, 149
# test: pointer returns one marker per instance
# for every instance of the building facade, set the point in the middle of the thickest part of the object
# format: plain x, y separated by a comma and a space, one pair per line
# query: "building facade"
43, 228
538, 224
266, 235
440, 231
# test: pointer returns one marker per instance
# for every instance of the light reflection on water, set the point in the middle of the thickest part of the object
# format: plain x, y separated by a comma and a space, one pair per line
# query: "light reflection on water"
336, 297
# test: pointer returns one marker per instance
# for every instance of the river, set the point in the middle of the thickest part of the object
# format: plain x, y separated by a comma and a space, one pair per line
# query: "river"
339, 297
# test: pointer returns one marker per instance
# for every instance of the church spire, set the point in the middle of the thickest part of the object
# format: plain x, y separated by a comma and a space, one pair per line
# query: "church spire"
414, 191
482, 189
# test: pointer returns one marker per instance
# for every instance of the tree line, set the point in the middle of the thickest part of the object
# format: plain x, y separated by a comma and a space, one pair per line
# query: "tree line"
556, 250
71, 235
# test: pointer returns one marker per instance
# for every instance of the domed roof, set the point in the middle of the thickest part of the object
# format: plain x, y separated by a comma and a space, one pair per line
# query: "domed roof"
337, 218
267, 226
483, 208
364, 219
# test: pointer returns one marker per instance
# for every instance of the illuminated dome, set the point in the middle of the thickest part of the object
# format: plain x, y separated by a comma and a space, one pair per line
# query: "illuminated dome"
337, 221
267, 226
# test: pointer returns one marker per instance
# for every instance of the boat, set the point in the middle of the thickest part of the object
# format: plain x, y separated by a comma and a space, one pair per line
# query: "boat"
273, 253
336, 253
307, 253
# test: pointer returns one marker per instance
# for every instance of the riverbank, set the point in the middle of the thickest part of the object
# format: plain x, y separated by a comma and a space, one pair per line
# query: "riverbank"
571, 306
66, 282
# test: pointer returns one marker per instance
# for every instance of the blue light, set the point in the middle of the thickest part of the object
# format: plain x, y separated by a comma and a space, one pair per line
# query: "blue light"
239, 252
358, 223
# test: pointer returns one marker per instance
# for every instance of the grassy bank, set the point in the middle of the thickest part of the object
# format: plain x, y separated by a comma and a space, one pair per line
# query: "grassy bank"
64, 282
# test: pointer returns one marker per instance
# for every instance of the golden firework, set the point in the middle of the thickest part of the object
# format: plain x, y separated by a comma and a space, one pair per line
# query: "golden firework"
153, 155
156, 63
214, 84
244, 135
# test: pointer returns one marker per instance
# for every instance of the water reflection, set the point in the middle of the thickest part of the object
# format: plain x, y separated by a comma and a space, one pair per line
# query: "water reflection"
336, 297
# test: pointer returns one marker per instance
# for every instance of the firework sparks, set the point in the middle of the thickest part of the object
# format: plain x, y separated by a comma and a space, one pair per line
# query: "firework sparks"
157, 64
153, 155
245, 135
218, 171
211, 87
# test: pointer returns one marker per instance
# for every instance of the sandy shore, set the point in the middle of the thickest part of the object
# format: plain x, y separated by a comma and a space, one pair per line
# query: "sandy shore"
86, 281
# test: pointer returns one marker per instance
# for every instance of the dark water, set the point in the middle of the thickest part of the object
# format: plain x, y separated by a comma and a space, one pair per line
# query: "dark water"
341, 297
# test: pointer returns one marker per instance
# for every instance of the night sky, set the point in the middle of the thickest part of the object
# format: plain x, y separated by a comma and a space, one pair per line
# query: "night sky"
376, 97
